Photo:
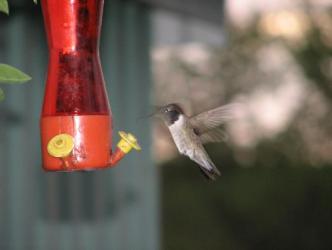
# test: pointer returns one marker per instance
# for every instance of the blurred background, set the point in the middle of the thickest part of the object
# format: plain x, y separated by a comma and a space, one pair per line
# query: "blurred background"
273, 57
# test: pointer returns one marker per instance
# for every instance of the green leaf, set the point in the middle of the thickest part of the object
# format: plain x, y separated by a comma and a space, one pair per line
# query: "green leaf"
9, 74
4, 6
35, 1
2, 95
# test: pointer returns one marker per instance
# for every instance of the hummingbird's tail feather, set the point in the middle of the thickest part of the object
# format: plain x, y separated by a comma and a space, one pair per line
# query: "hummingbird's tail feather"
209, 170
207, 175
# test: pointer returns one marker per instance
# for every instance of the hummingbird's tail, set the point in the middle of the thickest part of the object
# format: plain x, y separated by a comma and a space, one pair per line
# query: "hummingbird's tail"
209, 170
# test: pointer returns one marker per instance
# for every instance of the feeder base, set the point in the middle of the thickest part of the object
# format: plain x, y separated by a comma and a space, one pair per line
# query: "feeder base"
80, 142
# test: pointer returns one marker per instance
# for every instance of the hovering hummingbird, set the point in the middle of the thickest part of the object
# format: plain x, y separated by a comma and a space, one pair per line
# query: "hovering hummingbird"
191, 132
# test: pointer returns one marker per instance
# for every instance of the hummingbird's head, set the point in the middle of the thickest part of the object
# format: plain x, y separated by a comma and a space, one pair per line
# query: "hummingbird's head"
170, 113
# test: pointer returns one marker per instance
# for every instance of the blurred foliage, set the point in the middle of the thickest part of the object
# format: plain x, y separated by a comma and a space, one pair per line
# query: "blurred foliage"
313, 56
2, 95
266, 206
5, 8
9, 74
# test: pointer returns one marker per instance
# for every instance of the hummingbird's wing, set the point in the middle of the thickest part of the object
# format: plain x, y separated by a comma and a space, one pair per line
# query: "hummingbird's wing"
214, 135
213, 118
207, 124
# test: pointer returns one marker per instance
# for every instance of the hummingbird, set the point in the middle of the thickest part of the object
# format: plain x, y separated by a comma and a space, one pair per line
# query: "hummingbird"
190, 133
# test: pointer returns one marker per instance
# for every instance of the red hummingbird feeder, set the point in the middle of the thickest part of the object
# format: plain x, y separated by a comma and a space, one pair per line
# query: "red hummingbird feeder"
76, 120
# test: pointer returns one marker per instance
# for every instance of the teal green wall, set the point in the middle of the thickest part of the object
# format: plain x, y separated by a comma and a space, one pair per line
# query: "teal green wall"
110, 209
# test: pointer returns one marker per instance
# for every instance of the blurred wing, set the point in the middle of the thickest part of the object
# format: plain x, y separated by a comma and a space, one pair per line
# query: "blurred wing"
215, 135
213, 118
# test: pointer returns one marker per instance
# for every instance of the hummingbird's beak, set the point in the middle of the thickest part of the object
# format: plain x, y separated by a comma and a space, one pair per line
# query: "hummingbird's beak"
147, 116
154, 113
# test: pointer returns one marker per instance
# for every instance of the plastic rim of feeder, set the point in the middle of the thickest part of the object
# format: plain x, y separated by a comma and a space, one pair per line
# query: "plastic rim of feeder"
130, 139
61, 145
